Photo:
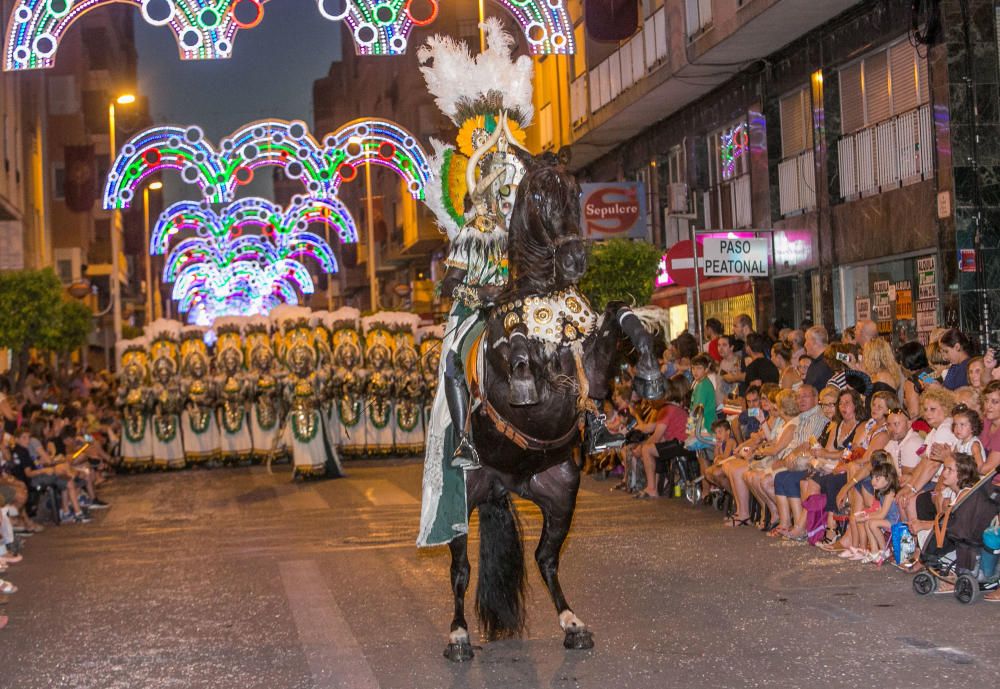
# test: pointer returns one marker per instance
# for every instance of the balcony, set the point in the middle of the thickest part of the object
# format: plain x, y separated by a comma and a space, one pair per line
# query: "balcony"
659, 71
797, 183
887, 155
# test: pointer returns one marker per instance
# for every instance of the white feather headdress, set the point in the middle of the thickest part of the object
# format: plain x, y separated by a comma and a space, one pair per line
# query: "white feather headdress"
464, 86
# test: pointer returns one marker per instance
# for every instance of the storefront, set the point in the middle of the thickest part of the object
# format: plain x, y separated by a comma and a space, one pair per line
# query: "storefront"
899, 293
795, 298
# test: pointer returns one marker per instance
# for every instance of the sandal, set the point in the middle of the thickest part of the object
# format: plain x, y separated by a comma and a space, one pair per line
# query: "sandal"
7, 588
777, 531
734, 522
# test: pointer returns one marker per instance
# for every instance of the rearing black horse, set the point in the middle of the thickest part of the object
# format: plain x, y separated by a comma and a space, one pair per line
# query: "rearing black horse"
544, 356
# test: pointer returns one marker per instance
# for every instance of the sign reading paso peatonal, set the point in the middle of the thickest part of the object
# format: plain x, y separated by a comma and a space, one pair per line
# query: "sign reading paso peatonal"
735, 257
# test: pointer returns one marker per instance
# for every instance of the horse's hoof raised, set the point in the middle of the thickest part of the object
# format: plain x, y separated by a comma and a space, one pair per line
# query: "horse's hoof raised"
578, 640
460, 652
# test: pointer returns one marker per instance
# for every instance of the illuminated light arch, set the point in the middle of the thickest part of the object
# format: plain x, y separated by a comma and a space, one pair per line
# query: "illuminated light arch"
379, 142
160, 148
383, 27
203, 29
220, 172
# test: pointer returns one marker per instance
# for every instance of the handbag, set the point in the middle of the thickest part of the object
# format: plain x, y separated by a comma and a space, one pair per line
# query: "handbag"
697, 438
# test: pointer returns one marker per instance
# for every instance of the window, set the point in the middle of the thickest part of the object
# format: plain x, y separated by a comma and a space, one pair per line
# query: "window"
728, 153
699, 16
880, 86
58, 181
796, 123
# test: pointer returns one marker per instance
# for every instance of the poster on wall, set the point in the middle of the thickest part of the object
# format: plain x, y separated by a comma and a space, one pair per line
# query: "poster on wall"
926, 278
863, 308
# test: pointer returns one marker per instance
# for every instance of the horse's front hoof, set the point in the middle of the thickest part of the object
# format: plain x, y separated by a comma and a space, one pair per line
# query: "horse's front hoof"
580, 640
461, 651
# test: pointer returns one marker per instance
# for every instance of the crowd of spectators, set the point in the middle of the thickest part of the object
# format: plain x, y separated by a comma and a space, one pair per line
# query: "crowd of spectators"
831, 442
58, 440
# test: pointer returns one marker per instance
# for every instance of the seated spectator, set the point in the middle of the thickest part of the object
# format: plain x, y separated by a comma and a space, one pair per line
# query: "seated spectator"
966, 424
771, 424
917, 375
758, 369
960, 515
991, 425
796, 342
666, 436
936, 403
36, 472
787, 494
905, 444
978, 376
878, 362
969, 397
882, 514
802, 365
767, 460
725, 447
750, 418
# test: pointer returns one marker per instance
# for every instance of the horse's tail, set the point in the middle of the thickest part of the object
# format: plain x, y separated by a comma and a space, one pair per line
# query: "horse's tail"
502, 582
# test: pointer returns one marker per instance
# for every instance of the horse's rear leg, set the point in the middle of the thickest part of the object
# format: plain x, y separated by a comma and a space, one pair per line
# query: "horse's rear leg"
554, 491
459, 647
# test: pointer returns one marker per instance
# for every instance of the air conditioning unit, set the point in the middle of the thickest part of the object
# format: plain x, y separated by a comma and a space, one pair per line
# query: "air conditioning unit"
678, 198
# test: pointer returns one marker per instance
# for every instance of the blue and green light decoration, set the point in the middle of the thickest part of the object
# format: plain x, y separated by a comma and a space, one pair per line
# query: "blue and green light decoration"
203, 29
220, 172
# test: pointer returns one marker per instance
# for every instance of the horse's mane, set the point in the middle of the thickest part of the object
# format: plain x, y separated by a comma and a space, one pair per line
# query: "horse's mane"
547, 208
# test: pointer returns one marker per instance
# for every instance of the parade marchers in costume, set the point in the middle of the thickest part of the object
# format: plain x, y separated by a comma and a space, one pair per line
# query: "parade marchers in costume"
167, 397
266, 404
489, 97
200, 428
133, 400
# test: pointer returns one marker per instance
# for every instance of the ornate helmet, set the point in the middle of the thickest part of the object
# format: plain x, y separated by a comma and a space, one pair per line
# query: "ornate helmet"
405, 352
321, 336
133, 360
489, 97
297, 337
380, 344
256, 335
344, 325
164, 337
429, 339
193, 346
229, 336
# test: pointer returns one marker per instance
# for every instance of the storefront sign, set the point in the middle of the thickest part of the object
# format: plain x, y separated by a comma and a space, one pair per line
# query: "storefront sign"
735, 257
863, 308
904, 304
882, 308
614, 210
967, 260
793, 249
926, 278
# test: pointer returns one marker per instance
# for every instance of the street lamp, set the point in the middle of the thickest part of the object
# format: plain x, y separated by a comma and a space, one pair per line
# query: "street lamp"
150, 311
372, 280
116, 221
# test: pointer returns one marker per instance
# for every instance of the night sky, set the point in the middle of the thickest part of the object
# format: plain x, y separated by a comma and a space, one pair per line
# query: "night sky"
269, 75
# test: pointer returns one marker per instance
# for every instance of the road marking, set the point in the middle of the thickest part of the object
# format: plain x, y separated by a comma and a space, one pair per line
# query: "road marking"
383, 493
333, 653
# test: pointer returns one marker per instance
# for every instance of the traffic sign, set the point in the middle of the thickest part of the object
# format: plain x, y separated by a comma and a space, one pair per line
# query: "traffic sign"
680, 263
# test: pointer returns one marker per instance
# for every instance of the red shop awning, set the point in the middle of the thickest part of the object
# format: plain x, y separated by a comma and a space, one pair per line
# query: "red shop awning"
711, 290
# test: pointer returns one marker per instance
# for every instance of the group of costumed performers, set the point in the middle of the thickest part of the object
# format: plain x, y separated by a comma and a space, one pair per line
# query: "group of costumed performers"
489, 98
309, 385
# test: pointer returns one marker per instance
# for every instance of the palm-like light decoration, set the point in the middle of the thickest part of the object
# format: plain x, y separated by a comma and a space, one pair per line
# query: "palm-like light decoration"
248, 258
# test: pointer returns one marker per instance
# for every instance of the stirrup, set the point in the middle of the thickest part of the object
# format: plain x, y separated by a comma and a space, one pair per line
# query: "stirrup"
465, 456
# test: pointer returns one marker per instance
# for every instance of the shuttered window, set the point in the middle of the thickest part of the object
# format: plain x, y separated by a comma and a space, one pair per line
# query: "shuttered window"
796, 123
886, 83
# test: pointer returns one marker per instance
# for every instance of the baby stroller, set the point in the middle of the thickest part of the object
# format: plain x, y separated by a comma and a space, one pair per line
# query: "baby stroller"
984, 574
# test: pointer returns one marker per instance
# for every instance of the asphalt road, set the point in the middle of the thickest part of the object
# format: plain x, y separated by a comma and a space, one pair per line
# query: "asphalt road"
236, 578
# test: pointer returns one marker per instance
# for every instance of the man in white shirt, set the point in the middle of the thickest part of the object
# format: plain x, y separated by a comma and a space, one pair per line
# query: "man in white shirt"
904, 443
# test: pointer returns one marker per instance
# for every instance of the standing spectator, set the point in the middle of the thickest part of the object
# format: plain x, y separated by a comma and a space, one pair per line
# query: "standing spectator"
8, 414
742, 327
818, 374
713, 331
759, 369
796, 341
703, 392
731, 366
957, 348
864, 332
848, 337
879, 363
781, 357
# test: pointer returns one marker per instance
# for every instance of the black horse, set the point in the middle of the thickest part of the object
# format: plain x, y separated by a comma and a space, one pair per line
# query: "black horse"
532, 393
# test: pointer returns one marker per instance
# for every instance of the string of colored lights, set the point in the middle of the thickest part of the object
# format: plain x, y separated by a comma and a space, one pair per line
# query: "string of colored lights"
203, 29
733, 144
321, 169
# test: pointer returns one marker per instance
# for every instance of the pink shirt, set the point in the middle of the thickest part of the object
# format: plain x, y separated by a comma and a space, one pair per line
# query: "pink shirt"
990, 436
675, 419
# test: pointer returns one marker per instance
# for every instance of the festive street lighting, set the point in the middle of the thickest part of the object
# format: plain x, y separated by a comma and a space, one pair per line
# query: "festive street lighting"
370, 217
150, 310
116, 220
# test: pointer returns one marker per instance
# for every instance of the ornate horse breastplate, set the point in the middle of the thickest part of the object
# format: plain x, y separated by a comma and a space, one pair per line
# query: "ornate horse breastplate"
559, 318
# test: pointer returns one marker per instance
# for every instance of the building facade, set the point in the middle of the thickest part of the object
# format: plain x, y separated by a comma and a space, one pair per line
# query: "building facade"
847, 133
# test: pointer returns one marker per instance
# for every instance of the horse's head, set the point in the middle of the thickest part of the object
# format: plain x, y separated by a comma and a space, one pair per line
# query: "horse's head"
545, 247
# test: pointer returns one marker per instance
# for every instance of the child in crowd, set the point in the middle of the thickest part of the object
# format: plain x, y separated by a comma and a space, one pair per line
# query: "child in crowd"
883, 514
725, 448
967, 426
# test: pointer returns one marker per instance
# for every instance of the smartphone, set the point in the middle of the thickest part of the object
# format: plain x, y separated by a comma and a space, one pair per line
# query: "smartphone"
842, 356
927, 378
50, 407
88, 438
753, 412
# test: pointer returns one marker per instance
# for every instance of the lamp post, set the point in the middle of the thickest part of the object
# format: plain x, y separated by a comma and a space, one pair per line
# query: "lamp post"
150, 311
370, 213
116, 220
